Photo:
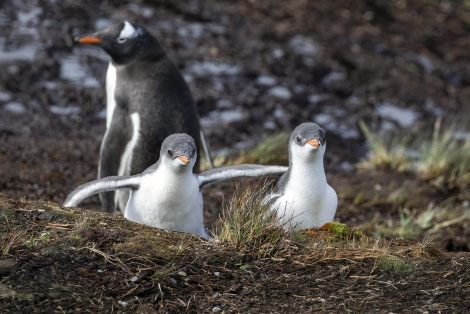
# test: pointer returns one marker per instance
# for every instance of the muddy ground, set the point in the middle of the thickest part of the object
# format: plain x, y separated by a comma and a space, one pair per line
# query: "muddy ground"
255, 68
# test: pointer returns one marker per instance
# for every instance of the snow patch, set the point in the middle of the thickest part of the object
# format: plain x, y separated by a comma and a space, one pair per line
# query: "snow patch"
216, 118
5, 96
72, 70
303, 46
65, 111
403, 116
266, 80
15, 107
280, 92
333, 77
208, 68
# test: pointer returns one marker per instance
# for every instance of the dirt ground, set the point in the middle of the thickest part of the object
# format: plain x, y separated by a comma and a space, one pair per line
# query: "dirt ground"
273, 65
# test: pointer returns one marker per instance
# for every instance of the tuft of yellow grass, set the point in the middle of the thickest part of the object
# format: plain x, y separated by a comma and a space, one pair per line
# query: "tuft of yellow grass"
444, 159
248, 222
385, 154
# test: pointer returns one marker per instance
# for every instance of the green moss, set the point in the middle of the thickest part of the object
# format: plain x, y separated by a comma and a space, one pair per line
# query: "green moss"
394, 265
341, 231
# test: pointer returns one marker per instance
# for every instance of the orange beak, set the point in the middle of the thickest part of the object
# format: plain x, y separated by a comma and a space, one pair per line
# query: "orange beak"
314, 142
184, 159
90, 40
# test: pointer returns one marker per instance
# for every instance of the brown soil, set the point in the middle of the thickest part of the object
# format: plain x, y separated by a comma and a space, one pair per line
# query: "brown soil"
94, 262
57, 260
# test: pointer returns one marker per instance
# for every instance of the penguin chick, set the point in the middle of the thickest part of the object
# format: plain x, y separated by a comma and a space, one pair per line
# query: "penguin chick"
168, 194
302, 196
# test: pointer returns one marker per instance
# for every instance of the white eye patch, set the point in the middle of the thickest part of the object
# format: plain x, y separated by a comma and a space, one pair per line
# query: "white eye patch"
127, 32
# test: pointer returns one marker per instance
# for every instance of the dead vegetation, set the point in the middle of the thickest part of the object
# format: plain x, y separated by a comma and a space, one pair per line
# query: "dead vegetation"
91, 261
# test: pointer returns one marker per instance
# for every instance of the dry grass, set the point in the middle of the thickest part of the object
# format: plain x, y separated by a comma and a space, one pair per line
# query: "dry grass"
385, 154
132, 264
273, 150
248, 222
443, 159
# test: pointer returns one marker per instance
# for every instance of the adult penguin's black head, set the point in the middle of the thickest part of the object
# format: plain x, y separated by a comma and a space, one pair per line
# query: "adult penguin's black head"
124, 42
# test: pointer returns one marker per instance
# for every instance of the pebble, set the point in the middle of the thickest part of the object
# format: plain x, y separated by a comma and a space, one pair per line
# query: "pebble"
15, 107
280, 92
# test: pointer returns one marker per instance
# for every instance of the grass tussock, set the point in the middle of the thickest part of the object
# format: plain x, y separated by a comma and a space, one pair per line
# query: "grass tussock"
412, 224
385, 154
247, 221
394, 265
272, 150
443, 160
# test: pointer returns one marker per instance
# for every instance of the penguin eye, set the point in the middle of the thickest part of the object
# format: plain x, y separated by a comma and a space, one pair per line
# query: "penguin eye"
298, 139
121, 40
170, 153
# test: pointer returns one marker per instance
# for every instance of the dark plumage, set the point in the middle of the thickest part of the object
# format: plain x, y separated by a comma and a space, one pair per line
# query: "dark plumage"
148, 99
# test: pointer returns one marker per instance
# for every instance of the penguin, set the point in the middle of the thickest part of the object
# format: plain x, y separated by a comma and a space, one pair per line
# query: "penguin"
302, 198
168, 194
147, 100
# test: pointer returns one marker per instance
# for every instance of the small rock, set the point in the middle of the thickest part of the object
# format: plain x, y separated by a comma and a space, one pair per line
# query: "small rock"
266, 80
6, 266
216, 309
15, 107
280, 92
134, 279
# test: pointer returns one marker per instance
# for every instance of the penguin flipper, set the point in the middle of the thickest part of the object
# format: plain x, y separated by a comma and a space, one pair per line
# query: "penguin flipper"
237, 171
101, 185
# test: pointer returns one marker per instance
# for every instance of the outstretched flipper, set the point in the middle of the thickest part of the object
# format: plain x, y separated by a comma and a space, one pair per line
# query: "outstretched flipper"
237, 171
101, 185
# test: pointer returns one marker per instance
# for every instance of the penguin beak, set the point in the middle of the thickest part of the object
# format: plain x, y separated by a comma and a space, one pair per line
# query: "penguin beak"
89, 40
184, 159
314, 142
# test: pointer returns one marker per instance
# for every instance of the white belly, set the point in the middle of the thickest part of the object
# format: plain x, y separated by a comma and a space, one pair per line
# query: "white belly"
121, 197
306, 206
110, 90
168, 205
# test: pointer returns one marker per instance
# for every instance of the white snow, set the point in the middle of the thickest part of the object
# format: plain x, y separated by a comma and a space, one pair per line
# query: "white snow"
4, 96
25, 53
265, 80
333, 77
65, 111
224, 104
216, 118
15, 107
316, 98
403, 116
303, 46
280, 92
209, 68
193, 30
72, 70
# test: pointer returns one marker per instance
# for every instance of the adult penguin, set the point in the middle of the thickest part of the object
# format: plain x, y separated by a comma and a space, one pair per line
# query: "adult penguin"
147, 100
